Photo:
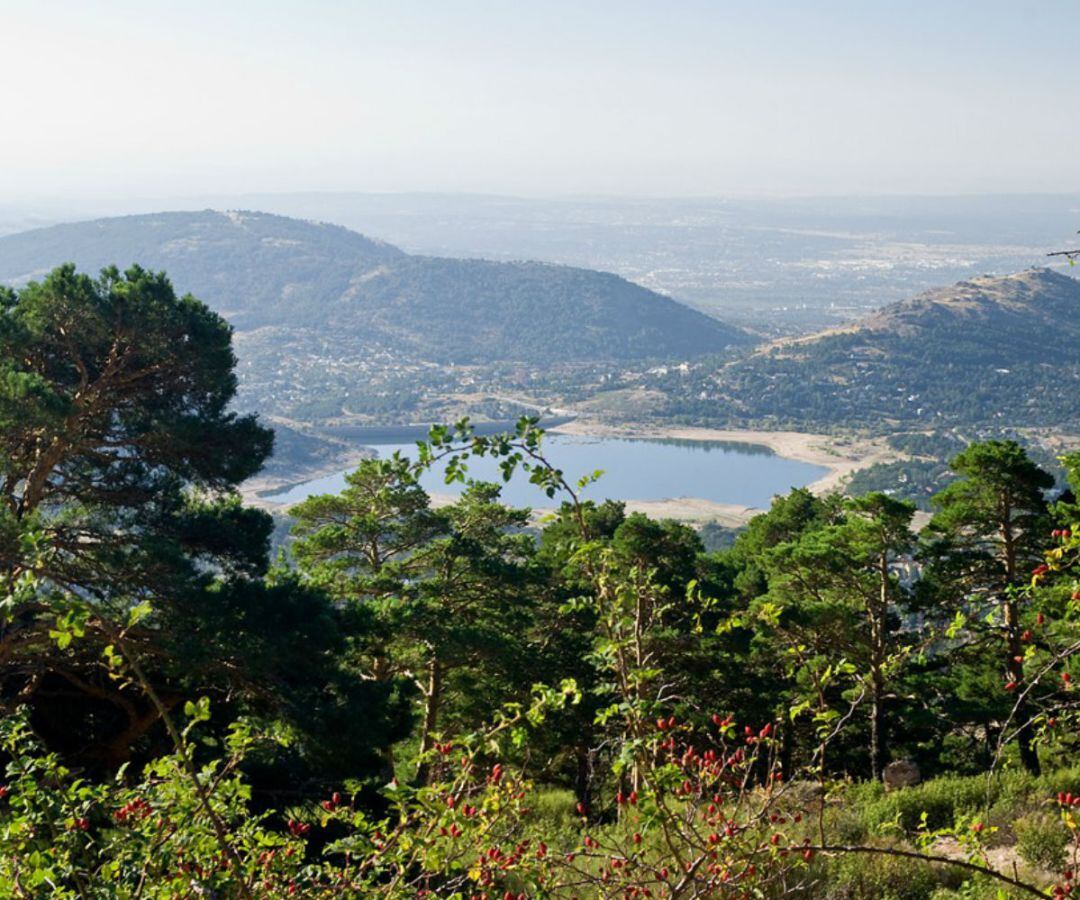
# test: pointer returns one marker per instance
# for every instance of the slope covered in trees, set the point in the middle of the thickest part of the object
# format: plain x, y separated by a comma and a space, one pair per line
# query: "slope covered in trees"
440, 701
989, 351
352, 294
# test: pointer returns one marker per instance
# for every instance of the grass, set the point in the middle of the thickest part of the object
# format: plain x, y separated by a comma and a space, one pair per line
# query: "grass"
1017, 808
948, 800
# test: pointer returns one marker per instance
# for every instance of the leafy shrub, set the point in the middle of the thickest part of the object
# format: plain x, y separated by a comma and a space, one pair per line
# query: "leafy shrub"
978, 888
943, 800
872, 877
1059, 780
949, 798
1041, 840
553, 814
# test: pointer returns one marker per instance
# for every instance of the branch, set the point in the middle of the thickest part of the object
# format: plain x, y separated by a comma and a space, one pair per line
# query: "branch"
928, 857
184, 752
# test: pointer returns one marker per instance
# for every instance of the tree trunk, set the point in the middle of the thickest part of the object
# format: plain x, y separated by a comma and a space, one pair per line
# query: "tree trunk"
380, 671
433, 699
1029, 755
583, 779
787, 749
877, 730
878, 615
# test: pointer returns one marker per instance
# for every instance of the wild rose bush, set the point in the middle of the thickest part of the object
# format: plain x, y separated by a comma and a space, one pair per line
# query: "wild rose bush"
710, 820
703, 824
695, 804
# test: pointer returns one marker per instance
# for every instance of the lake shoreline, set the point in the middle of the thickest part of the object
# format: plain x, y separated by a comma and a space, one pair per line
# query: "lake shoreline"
838, 455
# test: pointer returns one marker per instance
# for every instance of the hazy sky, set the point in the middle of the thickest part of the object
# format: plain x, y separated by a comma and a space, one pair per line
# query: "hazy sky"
538, 96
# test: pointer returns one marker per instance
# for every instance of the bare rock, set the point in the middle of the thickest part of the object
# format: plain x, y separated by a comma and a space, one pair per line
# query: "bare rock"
900, 774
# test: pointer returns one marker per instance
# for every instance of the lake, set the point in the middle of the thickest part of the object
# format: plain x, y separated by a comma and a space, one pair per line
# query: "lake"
634, 469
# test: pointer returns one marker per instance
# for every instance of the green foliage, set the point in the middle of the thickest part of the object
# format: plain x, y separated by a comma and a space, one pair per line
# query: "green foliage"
1041, 840
120, 460
946, 801
872, 877
443, 593
198, 724
987, 536
119, 457
940, 803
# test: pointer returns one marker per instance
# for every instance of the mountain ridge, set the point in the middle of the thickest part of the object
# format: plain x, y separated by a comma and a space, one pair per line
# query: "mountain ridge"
260, 269
986, 350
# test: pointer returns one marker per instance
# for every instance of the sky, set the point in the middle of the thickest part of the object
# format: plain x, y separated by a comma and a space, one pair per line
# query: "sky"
539, 98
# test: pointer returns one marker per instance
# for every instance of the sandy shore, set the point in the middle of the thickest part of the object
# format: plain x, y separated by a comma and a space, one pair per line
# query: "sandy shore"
840, 455
263, 484
691, 510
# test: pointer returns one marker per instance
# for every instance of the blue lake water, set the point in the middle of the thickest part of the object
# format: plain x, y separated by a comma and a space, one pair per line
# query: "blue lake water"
634, 469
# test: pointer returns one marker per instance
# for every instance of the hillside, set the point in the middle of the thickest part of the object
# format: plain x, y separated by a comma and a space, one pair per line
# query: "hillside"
992, 350
360, 295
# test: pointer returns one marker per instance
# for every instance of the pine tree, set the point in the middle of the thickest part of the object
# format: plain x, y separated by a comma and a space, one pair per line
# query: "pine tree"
988, 534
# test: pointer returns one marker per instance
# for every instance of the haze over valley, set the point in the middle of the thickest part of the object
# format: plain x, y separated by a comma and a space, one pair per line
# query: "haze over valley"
338, 331
606, 450
774, 265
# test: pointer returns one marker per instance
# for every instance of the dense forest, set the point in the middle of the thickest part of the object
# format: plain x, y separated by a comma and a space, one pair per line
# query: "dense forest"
925, 470
463, 701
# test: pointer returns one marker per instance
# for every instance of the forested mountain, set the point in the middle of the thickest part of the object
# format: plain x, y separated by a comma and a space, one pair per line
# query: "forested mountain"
992, 350
353, 293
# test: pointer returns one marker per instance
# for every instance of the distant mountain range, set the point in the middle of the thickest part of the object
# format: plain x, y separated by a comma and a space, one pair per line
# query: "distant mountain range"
332, 325
993, 350
266, 271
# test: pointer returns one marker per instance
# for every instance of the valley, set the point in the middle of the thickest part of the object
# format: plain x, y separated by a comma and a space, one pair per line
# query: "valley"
539, 451
337, 333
